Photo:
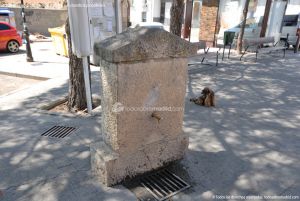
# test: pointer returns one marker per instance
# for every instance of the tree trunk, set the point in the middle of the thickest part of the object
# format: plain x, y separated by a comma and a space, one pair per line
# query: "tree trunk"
188, 19
77, 97
177, 9
298, 41
242, 30
266, 18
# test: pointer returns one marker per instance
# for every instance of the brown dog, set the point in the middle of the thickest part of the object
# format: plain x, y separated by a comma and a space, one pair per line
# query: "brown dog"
206, 99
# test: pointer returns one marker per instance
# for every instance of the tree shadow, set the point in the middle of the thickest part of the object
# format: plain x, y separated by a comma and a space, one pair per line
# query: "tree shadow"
247, 145
6, 53
34, 167
255, 122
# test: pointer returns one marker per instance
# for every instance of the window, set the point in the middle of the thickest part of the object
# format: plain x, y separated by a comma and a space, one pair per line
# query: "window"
144, 16
290, 20
4, 27
250, 23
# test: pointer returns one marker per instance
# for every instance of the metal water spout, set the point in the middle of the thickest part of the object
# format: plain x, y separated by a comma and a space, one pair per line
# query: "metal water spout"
156, 116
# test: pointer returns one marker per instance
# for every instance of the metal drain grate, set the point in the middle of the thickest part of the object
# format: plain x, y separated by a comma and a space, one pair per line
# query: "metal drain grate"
59, 131
164, 184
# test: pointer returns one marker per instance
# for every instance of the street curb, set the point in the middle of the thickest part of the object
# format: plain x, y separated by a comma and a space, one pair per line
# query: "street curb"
44, 109
53, 104
24, 76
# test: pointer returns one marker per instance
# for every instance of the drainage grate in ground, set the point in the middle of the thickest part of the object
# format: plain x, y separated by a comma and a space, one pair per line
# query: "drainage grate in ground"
164, 184
59, 131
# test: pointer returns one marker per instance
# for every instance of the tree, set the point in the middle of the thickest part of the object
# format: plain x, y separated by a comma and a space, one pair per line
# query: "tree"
77, 96
177, 9
242, 30
266, 18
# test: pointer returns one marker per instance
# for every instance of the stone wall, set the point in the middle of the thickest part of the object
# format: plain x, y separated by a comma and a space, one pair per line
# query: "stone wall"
57, 4
39, 20
209, 13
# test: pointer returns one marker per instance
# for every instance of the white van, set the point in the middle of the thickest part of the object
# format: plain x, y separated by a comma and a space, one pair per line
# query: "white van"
252, 30
290, 24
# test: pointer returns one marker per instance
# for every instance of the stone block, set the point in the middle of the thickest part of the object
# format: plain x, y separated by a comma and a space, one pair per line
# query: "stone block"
110, 167
144, 71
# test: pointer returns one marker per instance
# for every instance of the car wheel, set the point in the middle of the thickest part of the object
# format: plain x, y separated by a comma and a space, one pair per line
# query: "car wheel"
13, 46
294, 46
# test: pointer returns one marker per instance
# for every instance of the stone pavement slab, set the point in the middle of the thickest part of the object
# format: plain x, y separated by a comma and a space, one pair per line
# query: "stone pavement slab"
46, 63
249, 143
11, 83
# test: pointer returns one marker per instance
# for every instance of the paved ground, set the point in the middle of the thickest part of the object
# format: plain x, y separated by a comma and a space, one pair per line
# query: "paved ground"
47, 64
248, 145
11, 83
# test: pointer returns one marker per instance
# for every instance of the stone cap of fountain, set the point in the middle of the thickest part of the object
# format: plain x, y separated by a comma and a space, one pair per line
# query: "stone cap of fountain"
142, 43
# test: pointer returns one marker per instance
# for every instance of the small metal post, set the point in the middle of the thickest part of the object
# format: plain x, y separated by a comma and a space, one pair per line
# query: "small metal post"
223, 52
217, 60
118, 15
87, 84
29, 57
256, 55
206, 51
202, 60
244, 53
190, 32
298, 40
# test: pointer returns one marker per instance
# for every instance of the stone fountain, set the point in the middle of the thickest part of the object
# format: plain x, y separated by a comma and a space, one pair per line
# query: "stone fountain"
144, 74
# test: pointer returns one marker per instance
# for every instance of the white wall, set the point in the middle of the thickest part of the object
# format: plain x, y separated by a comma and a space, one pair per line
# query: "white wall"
167, 13
230, 13
260, 10
275, 19
152, 9
136, 11
149, 9
293, 7
156, 8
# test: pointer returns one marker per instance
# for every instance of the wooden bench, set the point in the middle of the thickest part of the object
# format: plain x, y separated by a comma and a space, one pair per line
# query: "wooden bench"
258, 44
204, 45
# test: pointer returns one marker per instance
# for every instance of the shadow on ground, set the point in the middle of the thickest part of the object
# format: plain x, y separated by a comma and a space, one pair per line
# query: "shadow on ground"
6, 53
254, 129
248, 145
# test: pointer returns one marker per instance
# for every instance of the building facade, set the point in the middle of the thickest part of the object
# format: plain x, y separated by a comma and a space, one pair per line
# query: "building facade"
209, 18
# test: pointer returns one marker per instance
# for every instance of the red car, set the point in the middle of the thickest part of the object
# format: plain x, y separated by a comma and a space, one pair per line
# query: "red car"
10, 40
